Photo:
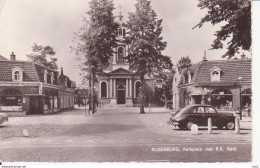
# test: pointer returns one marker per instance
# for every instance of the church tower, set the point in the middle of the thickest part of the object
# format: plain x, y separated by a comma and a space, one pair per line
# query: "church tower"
119, 86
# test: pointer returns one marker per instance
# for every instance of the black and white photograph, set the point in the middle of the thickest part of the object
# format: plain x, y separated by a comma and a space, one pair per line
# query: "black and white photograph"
129, 81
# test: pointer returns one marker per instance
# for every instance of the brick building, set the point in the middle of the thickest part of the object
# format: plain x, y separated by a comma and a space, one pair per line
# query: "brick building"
29, 88
218, 83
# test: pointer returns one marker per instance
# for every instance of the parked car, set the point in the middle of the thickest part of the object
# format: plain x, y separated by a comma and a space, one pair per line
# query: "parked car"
199, 114
3, 118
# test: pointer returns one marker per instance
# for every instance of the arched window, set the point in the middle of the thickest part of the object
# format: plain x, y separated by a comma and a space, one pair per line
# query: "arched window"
137, 88
186, 78
247, 92
103, 89
123, 32
120, 32
17, 74
121, 54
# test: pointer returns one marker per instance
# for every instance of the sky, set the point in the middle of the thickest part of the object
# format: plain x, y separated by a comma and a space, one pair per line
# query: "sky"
54, 22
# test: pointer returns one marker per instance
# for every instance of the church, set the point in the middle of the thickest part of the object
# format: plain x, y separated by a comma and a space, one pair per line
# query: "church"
119, 85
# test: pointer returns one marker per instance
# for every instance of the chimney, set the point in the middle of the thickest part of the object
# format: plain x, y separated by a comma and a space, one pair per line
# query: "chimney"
243, 56
12, 56
205, 56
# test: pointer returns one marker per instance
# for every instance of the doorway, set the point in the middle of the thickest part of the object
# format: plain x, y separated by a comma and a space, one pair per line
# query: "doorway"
121, 94
35, 105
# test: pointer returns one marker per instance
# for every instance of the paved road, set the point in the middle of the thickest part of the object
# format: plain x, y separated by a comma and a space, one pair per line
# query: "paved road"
118, 135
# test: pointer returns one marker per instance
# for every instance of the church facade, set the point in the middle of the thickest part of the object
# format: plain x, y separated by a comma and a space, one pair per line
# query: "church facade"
119, 85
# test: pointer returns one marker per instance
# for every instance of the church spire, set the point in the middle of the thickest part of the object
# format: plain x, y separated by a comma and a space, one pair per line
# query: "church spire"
120, 16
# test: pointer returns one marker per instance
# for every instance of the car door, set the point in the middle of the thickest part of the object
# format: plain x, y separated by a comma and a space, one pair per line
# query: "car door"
198, 114
210, 112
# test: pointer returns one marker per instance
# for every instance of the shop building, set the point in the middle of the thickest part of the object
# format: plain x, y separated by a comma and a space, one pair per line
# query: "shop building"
29, 88
220, 83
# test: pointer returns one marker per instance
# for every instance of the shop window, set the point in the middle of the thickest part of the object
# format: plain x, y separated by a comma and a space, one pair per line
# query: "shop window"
222, 99
137, 88
103, 89
17, 74
11, 97
246, 98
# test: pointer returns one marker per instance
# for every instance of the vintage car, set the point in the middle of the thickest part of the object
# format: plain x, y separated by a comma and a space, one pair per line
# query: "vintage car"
199, 114
3, 118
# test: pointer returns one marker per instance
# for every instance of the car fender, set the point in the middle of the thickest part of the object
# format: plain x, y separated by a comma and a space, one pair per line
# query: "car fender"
184, 122
225, 119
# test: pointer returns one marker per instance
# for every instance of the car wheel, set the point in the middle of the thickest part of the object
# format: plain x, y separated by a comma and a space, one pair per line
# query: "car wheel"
189, 124
230, 125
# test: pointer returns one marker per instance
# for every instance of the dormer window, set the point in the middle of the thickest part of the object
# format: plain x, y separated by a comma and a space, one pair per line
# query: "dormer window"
17, 74
215, 74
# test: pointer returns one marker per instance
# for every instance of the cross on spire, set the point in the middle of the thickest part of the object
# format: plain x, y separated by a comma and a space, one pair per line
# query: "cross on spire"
120, 14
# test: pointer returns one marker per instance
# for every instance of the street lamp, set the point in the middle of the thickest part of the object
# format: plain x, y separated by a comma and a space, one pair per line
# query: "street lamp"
240, 79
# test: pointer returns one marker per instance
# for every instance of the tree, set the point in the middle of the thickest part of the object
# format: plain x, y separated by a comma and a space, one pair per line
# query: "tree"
43, 55
95, 40
145, 44
184, 62
164, 87
236, 14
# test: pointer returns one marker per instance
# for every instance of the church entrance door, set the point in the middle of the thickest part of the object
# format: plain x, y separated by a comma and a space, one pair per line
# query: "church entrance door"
121, 94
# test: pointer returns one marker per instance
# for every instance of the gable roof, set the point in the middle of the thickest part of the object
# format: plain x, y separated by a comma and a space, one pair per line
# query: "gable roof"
230, 70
